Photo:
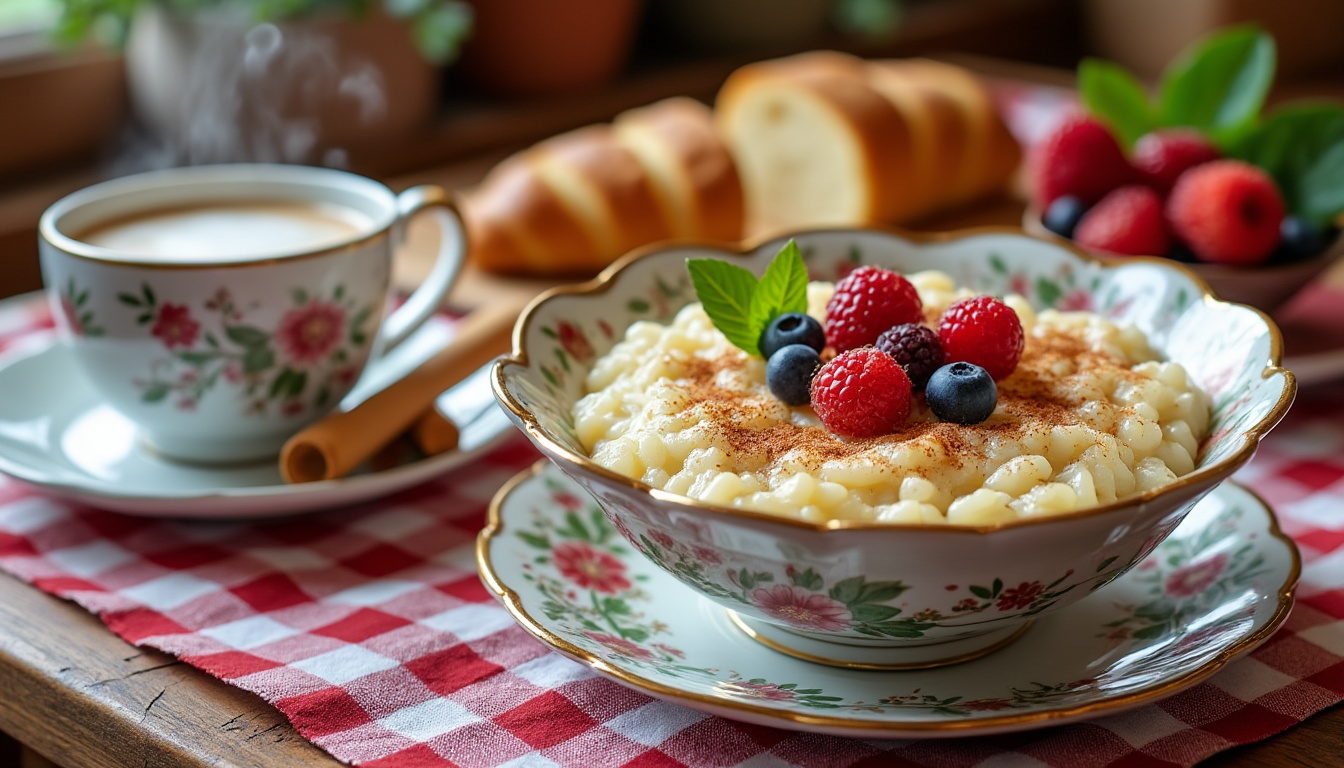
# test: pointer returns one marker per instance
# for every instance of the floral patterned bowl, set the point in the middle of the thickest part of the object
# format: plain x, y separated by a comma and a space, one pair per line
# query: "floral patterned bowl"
884, 595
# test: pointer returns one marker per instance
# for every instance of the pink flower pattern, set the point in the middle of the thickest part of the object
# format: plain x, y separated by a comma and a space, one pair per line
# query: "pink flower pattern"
1194, 578
310, 332
590, 568
802, 609
175, 326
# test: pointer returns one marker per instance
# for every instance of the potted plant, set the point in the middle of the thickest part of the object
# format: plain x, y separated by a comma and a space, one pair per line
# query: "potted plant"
278, 80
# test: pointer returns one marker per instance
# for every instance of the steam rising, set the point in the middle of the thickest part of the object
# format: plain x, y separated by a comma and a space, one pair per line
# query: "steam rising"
268, 93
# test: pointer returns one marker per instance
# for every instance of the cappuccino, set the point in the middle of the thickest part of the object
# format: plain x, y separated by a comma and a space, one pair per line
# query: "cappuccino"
230, 230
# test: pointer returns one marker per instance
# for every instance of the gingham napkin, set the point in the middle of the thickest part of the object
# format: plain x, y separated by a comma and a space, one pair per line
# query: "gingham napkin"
370, 630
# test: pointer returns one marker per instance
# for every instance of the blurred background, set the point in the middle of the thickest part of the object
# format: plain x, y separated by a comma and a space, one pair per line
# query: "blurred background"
439, 90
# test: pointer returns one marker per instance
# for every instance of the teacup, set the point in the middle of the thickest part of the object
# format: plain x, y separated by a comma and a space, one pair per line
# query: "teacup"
223, 308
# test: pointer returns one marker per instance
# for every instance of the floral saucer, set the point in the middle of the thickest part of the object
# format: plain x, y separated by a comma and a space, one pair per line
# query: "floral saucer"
56, 434
1220, 585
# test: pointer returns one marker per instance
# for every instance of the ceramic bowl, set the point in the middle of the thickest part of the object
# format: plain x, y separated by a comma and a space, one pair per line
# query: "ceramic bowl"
884, 595
1265, 287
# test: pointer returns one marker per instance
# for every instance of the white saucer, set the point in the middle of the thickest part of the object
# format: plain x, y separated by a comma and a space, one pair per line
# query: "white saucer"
1217, 588
55, 434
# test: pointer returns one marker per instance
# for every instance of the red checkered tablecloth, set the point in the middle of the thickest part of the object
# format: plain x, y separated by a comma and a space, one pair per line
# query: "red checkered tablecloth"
370, 630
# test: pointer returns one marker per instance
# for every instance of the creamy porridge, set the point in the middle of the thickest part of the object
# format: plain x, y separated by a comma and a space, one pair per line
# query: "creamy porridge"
1090, 415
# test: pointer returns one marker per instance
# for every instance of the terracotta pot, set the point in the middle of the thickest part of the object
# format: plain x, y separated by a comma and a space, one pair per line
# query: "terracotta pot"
537, 47
219, 87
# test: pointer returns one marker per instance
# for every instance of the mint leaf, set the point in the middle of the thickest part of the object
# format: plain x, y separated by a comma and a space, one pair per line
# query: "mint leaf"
1296, 144
725, 291
1220, 85
1320, 194
1111, 93
783, 288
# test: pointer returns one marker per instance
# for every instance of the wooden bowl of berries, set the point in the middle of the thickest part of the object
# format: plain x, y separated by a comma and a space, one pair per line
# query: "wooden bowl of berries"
1196, 173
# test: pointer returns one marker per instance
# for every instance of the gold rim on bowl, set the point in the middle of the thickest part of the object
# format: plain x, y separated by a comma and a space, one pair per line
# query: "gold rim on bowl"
606, 279
494, 527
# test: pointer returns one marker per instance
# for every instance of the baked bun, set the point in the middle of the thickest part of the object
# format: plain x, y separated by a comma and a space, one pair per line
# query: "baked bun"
574, 203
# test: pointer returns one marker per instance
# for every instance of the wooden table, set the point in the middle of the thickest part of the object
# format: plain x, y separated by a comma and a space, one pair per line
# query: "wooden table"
74, 693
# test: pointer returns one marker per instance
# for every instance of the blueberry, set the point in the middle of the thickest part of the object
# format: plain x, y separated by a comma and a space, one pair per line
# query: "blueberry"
1182, 253
961, 393
789, 372
791, 328
1300, 239
1063, 215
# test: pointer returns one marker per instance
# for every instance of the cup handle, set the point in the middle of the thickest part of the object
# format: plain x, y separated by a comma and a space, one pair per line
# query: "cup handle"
425, 300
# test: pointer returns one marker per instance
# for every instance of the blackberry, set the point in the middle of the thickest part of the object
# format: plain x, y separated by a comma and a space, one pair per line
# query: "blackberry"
916, 348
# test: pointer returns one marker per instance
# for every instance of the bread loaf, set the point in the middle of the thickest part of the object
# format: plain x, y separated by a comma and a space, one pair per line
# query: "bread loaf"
574, 203
828, 139
817, 139
693, 175
814, 142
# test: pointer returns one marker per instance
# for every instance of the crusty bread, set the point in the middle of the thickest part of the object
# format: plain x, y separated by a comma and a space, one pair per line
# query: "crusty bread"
694, 177
826, 138
574, 203
990, 154
816, 139
814, 143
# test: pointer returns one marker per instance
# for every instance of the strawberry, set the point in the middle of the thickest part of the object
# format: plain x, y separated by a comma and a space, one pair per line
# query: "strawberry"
1128, 221
1162, 156
1081, 158
1227, 211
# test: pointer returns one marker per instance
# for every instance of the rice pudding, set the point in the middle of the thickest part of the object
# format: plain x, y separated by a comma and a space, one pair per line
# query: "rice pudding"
1090, 415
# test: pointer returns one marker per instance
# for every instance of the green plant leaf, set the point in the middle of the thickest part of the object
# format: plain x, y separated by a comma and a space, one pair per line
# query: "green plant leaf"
535, 540
440, 29
1111, 93
258, 359
1320, 194
154, 393
1047, 292
1296, 144
868, 612
847, 591
129, 299
981, 592
246, 336
1219, 85
881, 591
638, 306
725, 291
783, 288
196, 358
297, 382
808, 579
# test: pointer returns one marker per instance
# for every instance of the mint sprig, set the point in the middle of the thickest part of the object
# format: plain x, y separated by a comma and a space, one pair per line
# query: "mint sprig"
741, 306
1302, 146
1216, 87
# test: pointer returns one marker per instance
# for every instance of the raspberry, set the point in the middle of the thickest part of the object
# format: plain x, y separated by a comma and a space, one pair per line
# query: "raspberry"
861, 393
1162, 156
1227, 211
867, 302
1128, 220
983, 331
1081, 158
915, 348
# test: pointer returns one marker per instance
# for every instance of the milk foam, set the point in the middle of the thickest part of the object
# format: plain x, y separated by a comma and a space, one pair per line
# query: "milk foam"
231, 231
